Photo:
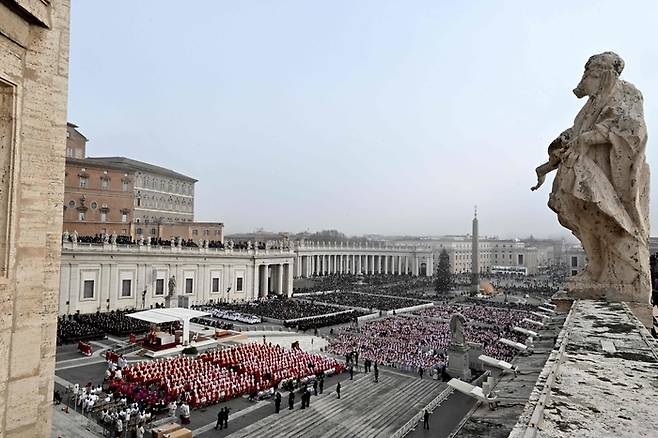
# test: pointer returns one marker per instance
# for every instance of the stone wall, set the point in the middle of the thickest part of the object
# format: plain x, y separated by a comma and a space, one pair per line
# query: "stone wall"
34, 41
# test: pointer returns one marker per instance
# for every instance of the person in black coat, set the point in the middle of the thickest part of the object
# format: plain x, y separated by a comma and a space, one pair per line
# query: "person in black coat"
291, 400
321, 385
315, 387
220, 419
338, 389
277, 402
226, 409
426, 420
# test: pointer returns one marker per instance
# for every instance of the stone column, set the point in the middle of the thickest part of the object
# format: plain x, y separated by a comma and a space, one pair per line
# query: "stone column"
358, 264
416, 266
256, 287
279, 278
266, 281
406, 265
385, 265
289, 284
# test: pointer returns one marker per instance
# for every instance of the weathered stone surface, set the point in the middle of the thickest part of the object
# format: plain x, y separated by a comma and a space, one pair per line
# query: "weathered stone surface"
601, 190
606, 381
33, 84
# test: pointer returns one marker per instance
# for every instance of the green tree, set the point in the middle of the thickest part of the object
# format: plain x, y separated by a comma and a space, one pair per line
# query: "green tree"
443, 279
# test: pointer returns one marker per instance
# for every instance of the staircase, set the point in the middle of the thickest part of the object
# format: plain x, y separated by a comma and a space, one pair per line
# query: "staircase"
365, 409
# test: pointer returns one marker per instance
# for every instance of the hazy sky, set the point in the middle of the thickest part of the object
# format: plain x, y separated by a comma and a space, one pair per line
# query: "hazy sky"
390, 117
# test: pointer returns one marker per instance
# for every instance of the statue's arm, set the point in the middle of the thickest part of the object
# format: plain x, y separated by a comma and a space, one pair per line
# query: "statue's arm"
555, 151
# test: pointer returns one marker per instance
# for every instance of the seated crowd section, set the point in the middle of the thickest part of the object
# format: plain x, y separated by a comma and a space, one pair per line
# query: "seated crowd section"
366, 301
220, 374
89, 326
421, 340
289, 311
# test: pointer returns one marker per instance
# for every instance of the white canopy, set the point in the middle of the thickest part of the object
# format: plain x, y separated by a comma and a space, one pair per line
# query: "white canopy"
158, 316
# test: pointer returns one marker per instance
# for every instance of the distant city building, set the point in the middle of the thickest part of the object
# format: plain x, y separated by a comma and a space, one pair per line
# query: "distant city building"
575, 259
118, 195
160, 195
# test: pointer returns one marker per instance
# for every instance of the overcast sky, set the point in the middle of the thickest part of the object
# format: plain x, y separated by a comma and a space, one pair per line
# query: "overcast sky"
390, 117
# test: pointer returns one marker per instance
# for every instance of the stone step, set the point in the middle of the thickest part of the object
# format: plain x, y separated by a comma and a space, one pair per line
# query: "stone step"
366, 409
326, 407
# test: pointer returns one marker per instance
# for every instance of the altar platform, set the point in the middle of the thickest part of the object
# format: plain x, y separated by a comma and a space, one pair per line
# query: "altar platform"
201, 344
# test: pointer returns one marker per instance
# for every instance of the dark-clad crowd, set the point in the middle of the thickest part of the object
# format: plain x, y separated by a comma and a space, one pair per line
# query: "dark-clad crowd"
86, 326
277, 308
366, 301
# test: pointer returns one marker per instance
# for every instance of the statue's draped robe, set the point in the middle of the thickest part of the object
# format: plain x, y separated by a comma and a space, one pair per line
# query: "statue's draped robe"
601, 192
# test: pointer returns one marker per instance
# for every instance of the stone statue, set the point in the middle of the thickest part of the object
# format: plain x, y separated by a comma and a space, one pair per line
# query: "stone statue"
74, 237
113, 239
106, 238
172, 285
601, 189
179, 242
250, 245
457, 322
65, 237
140, 240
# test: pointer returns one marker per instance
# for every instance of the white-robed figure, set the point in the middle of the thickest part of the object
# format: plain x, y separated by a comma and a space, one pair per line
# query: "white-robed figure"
601, 189
184, 412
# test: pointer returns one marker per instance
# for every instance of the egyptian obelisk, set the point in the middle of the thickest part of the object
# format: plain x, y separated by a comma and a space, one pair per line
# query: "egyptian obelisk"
475, 255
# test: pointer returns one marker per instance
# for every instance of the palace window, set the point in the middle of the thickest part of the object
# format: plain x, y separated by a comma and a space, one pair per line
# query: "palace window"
103, 216
215, 285
189, 285
124, 185
88, 289
124, 217
126, 286
83, 181
159, 286
104, 183
81, 215
238, 284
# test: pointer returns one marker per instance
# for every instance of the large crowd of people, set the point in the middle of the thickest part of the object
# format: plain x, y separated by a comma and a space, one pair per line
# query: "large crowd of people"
277, 308
316, 322
87, 326
220, 374
422, 339
503, 316
366, 301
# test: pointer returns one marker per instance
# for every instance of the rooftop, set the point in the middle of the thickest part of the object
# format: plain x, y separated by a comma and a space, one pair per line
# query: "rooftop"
140, 166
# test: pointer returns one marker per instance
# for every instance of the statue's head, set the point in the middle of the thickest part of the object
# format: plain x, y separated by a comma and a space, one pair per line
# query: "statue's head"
601, 72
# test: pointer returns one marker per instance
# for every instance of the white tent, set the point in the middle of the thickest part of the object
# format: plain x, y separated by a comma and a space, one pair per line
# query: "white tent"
170, 314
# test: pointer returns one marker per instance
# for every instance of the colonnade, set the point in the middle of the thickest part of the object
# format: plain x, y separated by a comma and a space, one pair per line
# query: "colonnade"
273, 278
312, 265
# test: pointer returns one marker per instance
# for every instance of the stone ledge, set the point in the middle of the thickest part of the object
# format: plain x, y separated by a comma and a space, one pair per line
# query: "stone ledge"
602, 388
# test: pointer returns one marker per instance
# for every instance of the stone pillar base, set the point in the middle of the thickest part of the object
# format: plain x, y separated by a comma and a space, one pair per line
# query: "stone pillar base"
458, 362
635, 292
